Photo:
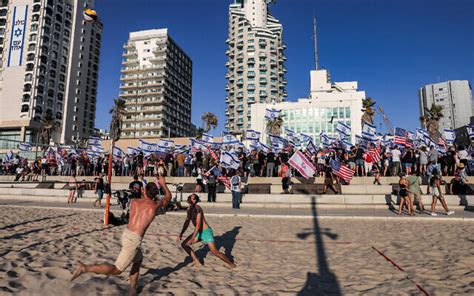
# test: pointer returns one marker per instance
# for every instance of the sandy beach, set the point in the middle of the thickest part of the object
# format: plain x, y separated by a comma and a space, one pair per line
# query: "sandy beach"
40, 247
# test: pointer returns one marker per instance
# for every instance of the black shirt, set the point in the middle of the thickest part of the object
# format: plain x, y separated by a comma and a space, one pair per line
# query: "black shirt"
270, 157
199, 156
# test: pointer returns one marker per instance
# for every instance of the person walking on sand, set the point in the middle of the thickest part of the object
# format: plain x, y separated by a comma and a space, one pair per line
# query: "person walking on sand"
142, 212
99, 190
414, 190
72, 188
404, 195
435, 184
202, 232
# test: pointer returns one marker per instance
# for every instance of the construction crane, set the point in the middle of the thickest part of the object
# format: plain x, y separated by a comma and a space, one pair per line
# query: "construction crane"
387, 122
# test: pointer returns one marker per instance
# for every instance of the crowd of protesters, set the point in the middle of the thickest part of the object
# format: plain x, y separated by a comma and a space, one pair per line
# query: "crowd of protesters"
391, 162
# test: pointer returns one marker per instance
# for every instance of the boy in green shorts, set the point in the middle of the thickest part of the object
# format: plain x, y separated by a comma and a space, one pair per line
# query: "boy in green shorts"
202, 232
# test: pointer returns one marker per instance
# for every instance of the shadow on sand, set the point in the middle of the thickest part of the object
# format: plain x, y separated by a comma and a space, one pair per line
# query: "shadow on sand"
226, 240
324, 282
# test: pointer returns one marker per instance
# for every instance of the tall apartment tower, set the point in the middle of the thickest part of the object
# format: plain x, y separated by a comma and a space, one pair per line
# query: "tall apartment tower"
156, 86
255, 70
455, 96
49, 65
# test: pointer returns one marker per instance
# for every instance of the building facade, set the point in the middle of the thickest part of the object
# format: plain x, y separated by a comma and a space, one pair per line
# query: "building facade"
49, 66
455, 96
328, 104
156, 86
255, 65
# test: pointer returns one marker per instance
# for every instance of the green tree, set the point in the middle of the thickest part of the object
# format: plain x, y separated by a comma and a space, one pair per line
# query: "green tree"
431, 120
274, 125
209, 121
48, 127
369, 110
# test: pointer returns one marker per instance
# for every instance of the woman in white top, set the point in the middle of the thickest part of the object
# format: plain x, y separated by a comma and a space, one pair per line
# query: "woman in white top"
463, 155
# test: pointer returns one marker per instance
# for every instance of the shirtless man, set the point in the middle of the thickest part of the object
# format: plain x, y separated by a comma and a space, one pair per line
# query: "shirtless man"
142, 212
202, 232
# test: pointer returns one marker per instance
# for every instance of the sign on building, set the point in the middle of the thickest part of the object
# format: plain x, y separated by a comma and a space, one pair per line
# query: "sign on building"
17, 37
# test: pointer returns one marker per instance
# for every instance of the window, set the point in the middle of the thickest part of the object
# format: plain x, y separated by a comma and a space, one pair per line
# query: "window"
25, 108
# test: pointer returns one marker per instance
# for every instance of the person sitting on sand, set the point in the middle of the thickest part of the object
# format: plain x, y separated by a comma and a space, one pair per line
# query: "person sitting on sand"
142, 212
202, 232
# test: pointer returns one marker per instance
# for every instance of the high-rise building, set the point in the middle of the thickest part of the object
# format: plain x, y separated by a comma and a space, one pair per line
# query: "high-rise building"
255, 70
455, 96
156, 86
49, 66
328, 103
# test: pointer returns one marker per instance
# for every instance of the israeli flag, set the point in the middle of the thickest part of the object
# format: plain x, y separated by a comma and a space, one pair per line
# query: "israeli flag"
470, 131
368, 136
132, 150
254, 145
325, 139
289, 133
263, 147
271, 114
147, 147
96, 149
25, 146
230, 140
343, 129
277, 147
276, 139
9, 155
304, 138
449, 135
421, 134
311, 148
94, 141
411, 136
347, 145
229, 160
252, 135
369, 128
207, 138
92, 154
181, 149
117, 152
198, 145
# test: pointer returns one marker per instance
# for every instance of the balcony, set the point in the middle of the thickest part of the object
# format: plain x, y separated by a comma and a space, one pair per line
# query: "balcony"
227, 64
251, 74
129, 53
240, 57
240, 44
251, 87
284, 81
129, 45
240, 82
251, 61
263, 67
240, 69
262, 55
263, 80
158, 59
263, 93
130, 62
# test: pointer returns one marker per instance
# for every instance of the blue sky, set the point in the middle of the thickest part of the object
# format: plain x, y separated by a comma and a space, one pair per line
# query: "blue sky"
390, 47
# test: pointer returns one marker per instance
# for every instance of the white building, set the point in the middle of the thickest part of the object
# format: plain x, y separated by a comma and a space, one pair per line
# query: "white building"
156, 86
327, 104
49, 65
255, 70
455, 96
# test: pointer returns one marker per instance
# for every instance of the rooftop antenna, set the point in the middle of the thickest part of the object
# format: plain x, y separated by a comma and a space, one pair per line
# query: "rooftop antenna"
315, 44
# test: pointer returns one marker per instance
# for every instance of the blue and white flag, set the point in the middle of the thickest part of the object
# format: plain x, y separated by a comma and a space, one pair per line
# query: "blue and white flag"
263, 147
92, 154
368, 137
24, 146
132, 150
94, 141
326, 140
369, 128
96, 149
421, 134
274, 139
198, 145
271, 114
311, 148
146, 147
117, 152
343, 129
470, 131
304, 138
289, 132
164, 146
347, 145
252, 135
230, 140
229, 160
9, 156
449, 135
207, 138
181, 149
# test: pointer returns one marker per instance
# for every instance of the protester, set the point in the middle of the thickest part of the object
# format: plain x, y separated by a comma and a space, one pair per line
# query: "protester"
330, 181
211, 187
414, 190
285, 175
72, 188
99, 190
236, 189
135, 187
435, 184
404, 195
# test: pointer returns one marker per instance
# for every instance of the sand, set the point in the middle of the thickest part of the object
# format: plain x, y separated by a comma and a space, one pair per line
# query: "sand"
40, 247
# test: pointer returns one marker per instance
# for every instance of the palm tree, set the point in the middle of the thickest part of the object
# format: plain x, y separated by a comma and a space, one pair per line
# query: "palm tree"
199, 132
48, 126
115, 129
274, 125
209, 121
369, 110
431, 120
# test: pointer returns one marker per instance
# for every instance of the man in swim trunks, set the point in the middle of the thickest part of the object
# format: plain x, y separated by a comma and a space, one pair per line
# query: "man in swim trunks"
142, 212
202, 232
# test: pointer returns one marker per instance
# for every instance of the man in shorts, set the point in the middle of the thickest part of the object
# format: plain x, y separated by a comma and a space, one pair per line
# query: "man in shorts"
142, 212
202, 232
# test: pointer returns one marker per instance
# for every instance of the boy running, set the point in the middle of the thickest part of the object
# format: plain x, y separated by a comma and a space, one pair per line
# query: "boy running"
142, 212
202, 232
